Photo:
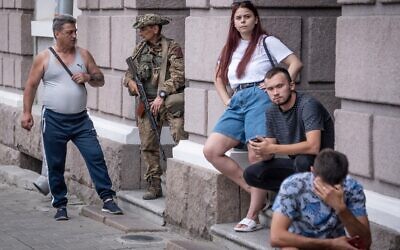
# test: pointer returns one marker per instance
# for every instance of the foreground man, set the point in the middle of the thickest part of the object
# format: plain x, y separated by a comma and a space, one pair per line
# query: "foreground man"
312, 210
160, 68
64, 115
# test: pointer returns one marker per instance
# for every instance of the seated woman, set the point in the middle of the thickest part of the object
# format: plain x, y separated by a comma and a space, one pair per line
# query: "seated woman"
243, 63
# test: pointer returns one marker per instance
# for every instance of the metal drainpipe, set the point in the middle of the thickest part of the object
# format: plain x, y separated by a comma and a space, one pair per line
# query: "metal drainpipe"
64, 7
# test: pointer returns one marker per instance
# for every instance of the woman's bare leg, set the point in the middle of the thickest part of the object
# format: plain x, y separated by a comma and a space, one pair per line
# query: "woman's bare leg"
214, 150
257, 195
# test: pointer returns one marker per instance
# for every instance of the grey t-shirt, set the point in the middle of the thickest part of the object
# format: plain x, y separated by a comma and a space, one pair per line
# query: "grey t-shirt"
60, 93
291, 126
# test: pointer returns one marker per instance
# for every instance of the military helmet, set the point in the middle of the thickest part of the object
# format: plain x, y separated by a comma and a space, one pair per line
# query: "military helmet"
150, 19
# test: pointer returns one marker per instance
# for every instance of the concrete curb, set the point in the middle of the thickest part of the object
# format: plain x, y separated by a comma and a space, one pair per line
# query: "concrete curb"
190, 245
126, 223
16, 176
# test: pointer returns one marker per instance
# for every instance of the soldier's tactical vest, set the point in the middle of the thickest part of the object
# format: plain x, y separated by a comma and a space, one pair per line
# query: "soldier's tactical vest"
149, 64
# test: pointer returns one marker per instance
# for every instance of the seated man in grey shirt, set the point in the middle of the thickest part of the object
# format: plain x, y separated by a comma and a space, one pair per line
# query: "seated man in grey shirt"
298, 126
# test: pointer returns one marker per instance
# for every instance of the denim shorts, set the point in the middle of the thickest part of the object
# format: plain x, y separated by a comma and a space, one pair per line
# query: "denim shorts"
245, 116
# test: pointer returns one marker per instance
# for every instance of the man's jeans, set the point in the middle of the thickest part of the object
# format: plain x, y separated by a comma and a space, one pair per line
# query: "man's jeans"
271, 173
57, 130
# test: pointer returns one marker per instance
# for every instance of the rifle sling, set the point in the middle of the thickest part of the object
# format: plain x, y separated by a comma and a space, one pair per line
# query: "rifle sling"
163, 69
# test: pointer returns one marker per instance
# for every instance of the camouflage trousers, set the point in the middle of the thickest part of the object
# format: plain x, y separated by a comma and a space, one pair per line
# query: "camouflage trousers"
150, 151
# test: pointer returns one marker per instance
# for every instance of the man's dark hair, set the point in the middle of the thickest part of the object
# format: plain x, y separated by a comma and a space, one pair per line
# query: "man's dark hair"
60, 20
332, 166
277, 70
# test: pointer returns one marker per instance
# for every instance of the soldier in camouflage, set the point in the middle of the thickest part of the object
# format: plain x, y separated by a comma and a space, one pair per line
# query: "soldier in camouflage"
149, 55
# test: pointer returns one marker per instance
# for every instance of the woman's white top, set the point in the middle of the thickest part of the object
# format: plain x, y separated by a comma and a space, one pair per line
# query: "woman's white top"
259, 63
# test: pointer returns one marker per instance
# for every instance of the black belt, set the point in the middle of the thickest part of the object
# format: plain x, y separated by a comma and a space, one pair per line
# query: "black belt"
247, 85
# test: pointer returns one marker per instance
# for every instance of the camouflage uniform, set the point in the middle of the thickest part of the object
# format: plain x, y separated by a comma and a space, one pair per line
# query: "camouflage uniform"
148, 64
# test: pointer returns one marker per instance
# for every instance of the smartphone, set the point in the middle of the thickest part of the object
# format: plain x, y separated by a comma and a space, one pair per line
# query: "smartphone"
256, 139
356, 242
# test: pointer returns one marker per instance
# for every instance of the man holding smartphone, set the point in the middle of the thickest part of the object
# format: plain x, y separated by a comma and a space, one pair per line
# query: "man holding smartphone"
298, 126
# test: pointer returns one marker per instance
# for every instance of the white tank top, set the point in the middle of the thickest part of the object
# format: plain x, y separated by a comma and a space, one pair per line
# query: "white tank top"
60, 93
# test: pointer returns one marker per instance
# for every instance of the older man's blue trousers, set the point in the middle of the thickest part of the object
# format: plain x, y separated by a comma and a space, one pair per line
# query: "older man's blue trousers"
57, 130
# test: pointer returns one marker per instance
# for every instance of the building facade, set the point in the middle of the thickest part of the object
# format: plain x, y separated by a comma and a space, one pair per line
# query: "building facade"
348, 47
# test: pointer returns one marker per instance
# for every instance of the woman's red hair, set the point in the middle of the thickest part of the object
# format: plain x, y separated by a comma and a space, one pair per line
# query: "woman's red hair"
233, 41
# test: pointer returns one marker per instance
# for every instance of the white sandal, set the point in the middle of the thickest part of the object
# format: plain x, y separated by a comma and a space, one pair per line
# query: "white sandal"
250, 226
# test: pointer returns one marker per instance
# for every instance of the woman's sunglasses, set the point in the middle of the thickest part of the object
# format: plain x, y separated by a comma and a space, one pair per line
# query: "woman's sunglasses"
236, 3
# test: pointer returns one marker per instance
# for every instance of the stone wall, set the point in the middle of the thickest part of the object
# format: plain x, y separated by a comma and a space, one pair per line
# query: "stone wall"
15, 42
367, 79
364, 75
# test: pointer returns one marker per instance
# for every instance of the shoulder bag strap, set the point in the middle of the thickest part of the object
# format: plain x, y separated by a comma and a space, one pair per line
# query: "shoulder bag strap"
268, 54
59, 59
163, 69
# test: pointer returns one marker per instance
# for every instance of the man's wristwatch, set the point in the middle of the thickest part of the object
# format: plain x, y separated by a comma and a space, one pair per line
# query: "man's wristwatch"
162, 94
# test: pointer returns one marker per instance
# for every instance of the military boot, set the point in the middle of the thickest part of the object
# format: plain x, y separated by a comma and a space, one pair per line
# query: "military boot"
154, 190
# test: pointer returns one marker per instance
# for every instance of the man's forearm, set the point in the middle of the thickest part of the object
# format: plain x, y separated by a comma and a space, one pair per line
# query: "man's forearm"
28, 98
96, 79
354, 226
295, 149
287, 239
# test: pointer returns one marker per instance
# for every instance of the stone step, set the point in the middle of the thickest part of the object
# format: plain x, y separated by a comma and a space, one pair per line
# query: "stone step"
131, 202
129, 223
224, 235
14, 175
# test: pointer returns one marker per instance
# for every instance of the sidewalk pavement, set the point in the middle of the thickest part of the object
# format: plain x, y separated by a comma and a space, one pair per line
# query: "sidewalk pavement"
26, 222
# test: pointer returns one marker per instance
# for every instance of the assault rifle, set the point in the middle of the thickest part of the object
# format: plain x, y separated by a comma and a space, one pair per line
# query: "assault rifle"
145, 101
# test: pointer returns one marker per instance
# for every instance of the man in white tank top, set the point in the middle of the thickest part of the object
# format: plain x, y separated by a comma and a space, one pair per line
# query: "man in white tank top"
64, 115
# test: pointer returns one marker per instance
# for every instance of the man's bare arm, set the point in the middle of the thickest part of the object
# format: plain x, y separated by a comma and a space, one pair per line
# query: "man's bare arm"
281, 237
356, 226
32, 83
311, 145
94, 76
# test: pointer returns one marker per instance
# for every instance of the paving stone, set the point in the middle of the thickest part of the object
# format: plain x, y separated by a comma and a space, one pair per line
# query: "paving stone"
27, 223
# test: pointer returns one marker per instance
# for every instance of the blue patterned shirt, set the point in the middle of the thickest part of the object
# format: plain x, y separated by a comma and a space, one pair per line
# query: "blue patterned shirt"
310, 216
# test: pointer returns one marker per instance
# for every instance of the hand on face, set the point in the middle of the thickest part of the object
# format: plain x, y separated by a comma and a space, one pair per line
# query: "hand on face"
333, 196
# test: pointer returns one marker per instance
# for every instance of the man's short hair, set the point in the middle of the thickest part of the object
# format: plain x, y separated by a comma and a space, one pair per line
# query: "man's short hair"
277, 70
60, 20
332, 166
